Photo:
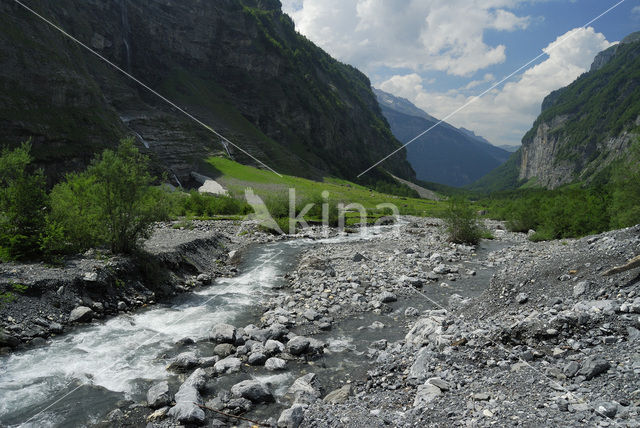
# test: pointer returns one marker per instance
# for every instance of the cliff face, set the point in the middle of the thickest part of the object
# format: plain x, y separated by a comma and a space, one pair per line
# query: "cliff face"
587, 125
237, 65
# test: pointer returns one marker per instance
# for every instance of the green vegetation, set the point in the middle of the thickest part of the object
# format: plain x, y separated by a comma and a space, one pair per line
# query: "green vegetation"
23, 203
461, 221
574, 210
274, 190
598, 105
111, 203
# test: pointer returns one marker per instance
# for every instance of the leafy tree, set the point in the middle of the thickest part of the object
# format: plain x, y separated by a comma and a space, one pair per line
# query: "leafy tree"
23, 204
461, 222
113, 202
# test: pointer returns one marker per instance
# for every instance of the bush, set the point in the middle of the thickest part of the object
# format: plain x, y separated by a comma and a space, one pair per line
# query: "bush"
23, 205
195, 204
111, 203
461, 222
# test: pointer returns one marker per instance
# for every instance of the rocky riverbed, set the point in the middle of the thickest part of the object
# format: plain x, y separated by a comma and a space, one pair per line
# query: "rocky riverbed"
400, 328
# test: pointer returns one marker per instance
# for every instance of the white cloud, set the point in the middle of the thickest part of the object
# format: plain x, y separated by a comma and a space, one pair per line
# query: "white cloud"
444, 35
504, 114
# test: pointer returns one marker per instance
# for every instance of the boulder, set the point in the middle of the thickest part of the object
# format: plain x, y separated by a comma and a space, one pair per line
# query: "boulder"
183, 362
291, 417
338, 396
223, 333
81, 314
228, 365
252, 390
274, 364
387, 297
593, 366
158, 395
257, 359
304, 389
273, 347
223, 350
188, 398
298, 345
426, 394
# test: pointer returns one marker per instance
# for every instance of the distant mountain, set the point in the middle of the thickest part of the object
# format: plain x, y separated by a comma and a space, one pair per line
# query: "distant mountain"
510, 149
238, 65
446, 155
583, 127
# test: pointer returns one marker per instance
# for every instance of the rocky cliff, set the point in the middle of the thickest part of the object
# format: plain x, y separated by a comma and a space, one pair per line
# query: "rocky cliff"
237, 65
587, 125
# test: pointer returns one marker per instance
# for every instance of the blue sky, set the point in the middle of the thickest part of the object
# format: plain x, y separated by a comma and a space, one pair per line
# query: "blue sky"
441, 53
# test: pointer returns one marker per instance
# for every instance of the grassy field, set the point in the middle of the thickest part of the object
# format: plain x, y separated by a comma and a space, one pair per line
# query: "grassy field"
236, 178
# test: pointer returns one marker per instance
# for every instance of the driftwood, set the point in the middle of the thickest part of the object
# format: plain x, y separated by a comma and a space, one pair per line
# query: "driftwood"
631, 264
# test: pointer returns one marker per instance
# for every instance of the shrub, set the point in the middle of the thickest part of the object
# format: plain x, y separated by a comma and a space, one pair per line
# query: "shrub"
461, 222
23, 204
113, 202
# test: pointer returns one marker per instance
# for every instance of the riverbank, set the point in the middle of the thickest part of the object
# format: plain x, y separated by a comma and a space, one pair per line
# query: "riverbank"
551, 342
41, 301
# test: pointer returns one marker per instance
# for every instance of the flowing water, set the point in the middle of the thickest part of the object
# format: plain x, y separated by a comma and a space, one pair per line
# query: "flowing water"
76, 379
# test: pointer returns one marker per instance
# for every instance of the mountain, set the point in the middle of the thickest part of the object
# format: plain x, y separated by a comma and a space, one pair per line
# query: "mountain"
237, 65
446, 155
510, 149
583, 128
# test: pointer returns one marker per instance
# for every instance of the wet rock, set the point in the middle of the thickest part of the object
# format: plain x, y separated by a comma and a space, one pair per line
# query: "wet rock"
338, 396
252, 390
228, 365
81, 314
158, 415
223, 350
273, 347
6, 340
291, 417
305, 389
183, 362
274, 364
594, 366
298, 345
426, 394
122, 306
188, 398
204, 278
411, 312
257, 359
387, 297
223, 333
158, 395
380, 345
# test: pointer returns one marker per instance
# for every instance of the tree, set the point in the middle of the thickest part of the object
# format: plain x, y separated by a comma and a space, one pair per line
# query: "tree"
23, 204
113, 202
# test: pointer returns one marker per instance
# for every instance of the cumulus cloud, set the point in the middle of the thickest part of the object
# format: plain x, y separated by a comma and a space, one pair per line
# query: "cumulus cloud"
444, 35
504, 114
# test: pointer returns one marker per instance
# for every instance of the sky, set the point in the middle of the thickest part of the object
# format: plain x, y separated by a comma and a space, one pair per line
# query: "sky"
443, 54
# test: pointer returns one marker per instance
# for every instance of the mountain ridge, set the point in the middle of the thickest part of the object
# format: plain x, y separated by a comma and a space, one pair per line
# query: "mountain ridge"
446, 154
239, 66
